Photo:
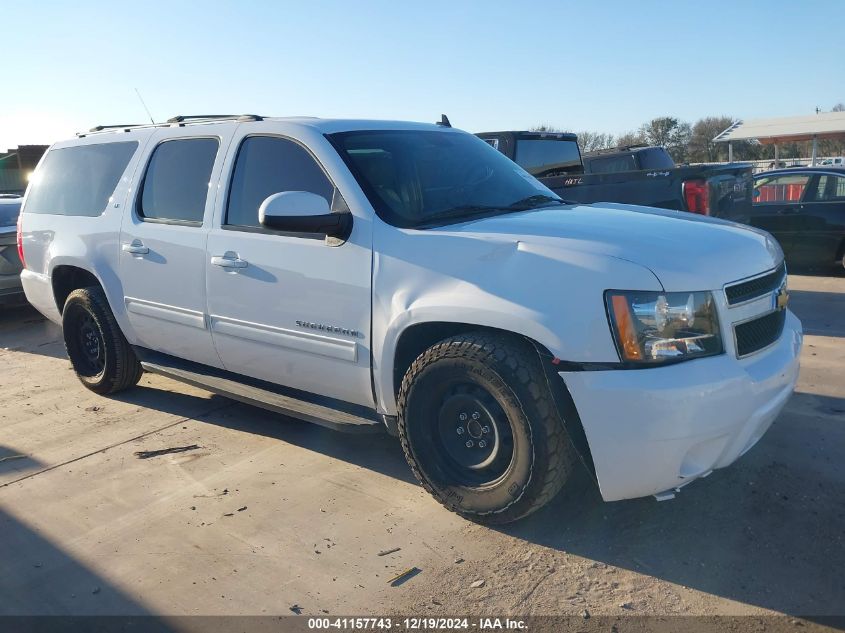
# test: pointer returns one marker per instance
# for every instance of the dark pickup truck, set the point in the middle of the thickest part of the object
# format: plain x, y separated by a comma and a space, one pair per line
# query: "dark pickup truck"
634, 175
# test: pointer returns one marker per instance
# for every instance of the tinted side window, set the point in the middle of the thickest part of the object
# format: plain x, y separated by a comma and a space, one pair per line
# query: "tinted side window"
829, 188
780, 189
79, 180
266, 165
176, 183
655, 158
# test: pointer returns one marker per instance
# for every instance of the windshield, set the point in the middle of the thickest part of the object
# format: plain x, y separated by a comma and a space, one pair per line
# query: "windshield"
418, 178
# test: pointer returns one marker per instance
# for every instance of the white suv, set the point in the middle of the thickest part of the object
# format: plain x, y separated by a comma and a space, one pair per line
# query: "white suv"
367, 275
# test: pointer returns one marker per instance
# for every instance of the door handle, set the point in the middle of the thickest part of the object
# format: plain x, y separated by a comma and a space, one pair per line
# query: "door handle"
135, 248
788, 211
229, 260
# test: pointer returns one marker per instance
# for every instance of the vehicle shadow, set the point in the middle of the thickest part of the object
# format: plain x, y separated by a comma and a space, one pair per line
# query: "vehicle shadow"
377, 452
24, 329
766, 531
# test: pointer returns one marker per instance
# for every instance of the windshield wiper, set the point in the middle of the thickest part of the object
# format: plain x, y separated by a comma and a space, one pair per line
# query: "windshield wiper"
469, 211
462, 211
532, 202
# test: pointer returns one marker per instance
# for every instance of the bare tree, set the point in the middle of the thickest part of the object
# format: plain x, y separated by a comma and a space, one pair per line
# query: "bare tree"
630, 138
545, 127
839, 107
592, 141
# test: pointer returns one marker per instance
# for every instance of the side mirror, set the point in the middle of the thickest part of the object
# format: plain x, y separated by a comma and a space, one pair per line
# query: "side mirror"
303, 212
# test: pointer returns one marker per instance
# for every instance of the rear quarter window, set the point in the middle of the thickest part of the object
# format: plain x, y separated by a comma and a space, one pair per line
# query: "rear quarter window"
79, 180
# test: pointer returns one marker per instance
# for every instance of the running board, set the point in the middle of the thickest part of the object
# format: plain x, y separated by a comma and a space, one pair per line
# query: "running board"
278, 403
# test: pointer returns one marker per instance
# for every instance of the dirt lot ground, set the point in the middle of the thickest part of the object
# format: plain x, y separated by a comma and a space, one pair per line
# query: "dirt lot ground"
271, 514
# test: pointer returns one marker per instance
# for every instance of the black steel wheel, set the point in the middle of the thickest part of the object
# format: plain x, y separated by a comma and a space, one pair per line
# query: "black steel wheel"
99, 353
480, 427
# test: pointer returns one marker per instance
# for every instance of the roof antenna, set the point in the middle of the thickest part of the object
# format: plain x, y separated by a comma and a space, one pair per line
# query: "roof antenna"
145, 106
444, 121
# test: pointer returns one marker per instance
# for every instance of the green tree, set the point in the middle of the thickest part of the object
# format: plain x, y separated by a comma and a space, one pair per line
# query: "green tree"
670, 133
702, 149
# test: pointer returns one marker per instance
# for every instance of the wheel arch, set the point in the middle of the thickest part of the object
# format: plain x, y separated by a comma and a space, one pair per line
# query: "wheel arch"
65, 278
418, 337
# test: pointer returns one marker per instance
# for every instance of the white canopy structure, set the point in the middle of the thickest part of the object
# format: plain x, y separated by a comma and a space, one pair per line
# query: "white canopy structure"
825, 125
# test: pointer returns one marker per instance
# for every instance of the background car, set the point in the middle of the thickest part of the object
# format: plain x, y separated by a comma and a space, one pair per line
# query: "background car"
804, 209
10, 264
836, 161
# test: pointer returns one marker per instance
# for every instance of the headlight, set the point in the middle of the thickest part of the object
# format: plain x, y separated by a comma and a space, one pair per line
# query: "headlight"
656, 327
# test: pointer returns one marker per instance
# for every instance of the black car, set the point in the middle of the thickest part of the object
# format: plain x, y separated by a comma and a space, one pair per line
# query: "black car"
804, 209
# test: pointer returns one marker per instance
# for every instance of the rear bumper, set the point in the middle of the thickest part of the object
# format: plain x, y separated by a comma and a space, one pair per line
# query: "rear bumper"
654, 430
39, 292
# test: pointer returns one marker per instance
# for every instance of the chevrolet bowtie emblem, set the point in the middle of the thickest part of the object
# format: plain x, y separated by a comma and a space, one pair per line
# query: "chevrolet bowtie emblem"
782, 298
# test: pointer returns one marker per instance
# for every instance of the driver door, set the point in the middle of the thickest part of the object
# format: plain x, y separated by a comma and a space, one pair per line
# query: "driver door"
295, 310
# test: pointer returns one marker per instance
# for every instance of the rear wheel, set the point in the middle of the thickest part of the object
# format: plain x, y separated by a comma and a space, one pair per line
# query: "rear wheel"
481, 430
100, 355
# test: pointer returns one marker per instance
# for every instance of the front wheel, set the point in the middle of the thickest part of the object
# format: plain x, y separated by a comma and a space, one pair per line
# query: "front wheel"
480, 428
99, 353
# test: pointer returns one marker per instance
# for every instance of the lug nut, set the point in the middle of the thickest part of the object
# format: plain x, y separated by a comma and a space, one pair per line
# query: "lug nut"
481, 443
459, 430
476, 415
469, 444
485, 429
463, 417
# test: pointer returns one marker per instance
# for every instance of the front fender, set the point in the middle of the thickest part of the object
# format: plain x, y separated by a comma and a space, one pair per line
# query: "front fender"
551, 295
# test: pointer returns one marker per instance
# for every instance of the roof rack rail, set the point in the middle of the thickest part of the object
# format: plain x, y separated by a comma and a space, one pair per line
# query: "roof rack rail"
188, 118
177, 121
100, 128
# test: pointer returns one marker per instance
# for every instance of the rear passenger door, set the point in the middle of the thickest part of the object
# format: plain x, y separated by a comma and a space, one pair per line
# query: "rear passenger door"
163, 238
296, 309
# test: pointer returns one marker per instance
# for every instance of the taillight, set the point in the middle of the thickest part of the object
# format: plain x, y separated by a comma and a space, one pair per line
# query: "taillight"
697, 196
20, 240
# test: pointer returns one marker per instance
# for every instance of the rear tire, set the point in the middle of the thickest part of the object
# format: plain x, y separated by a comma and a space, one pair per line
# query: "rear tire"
99, 353
480, 428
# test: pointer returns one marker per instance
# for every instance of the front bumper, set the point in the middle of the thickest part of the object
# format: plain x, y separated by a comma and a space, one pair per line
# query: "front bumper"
654, 430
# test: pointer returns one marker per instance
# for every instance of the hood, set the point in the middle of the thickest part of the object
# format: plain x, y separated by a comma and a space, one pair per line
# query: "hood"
685, 251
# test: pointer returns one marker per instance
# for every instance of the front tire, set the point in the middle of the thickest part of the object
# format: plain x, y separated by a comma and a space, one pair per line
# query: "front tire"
480, 428
99, 353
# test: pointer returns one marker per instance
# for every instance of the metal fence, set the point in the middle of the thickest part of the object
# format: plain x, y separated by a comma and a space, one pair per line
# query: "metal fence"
769, 163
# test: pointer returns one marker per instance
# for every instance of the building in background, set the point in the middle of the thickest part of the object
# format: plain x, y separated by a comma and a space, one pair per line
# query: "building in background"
16, 165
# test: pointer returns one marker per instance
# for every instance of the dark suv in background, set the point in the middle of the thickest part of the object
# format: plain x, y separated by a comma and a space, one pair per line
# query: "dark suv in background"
10, 263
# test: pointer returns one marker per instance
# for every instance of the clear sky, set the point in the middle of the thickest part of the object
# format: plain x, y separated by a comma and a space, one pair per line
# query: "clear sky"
601, 65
